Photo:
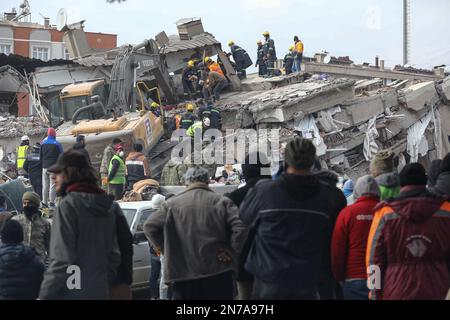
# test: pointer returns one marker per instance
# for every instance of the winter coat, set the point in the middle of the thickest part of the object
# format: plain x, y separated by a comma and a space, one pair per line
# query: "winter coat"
191, 229
238, 196
291, 218
173, 174
108, 153
138, 167
125, 242
21, 272
84, 234
442, 187
50, 151
36, 233
33, 166
409, 242
82, 149
389, 184
348, 247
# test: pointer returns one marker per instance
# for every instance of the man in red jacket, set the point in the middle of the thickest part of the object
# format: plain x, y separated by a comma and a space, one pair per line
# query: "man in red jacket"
408, 251
348, 246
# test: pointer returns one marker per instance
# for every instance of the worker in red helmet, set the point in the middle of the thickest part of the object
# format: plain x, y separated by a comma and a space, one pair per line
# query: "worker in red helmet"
117, 172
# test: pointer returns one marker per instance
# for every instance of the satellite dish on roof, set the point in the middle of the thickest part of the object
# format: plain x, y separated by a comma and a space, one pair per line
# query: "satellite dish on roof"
327, 59
61, 19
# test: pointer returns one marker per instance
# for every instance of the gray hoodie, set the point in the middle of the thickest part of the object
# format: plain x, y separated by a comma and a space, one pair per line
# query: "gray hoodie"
83, 235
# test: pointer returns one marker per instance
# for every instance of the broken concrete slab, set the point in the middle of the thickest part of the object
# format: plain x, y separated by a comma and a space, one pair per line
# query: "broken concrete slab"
362, 109
419, 96
443, 89
256, 83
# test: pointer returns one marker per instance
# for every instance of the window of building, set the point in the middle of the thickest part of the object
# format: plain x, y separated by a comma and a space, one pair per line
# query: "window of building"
41, 53
5, 49
66, 54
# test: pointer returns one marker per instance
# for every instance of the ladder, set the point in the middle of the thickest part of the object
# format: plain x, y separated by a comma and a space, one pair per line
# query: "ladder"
35, 98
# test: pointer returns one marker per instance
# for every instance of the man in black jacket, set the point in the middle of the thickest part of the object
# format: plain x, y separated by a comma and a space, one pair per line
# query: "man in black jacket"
49, 153
80, 146
33, 166
291, 220
253, 173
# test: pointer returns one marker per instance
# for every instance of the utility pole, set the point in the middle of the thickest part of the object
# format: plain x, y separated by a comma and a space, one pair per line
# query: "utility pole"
406, 32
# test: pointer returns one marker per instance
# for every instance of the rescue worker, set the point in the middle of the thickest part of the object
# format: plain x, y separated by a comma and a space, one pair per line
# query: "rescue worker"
155, 109
241, 59
108, 153
49, 153
137, 166
21, 154
211, 65
80, 146
116, 173
289, 60
215, 83
214, 116
198, 126
188, 118
298, 54
270, 54
189, 79
260, 62
33, 167
36, 229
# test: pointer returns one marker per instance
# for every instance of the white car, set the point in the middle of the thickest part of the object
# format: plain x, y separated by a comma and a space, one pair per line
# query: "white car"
136, 214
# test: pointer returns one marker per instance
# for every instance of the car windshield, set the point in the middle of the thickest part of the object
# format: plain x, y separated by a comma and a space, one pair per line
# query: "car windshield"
129, 215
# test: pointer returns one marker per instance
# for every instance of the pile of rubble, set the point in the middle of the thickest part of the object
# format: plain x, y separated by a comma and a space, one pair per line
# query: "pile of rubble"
350, 121
13, 127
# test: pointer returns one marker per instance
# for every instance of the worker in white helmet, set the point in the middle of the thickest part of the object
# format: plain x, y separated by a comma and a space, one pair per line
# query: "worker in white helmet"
21, 154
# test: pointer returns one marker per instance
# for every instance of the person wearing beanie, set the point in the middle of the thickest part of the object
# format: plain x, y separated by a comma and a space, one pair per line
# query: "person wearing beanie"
291, 217
442, 186
80, 146
199, 267
409, 242
349, 242
36, 229
253, 170
382, 169
88, 230
21, 270
33, 166
49, 153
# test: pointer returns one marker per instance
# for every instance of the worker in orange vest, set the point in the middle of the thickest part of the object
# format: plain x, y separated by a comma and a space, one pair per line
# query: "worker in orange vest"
213, 66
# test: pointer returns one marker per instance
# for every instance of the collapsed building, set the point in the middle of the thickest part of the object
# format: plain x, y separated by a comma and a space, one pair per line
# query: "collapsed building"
348, 120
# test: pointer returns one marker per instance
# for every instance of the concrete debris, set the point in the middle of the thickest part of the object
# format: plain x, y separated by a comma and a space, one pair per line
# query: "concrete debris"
12, 127
419, 96
443, 89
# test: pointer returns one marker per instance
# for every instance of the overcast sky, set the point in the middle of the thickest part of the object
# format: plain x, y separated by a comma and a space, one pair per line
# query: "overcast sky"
360, 29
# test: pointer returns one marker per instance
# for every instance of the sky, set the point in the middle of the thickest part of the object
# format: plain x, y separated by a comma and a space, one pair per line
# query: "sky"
361, 29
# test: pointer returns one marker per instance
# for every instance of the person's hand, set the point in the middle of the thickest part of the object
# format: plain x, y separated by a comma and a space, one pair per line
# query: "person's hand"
105, 181
223, 256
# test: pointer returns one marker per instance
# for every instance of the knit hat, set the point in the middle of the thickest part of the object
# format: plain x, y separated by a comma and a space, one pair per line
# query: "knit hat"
80, 138
413, 174
157, 201
12, 232
33, 197
382, 163
51, 132
300, 154
366, 186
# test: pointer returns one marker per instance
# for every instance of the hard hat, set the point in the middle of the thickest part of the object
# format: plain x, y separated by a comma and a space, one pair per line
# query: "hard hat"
189, 107
190, 63
207, 59
118, 147
206, 122
259, 42
266, 33
230, 43
291, 48
25, 138
154, 105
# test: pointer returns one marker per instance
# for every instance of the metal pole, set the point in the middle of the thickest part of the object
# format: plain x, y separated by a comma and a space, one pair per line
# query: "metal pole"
406, 34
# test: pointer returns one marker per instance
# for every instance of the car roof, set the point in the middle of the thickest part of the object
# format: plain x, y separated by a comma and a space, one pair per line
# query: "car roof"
136, 205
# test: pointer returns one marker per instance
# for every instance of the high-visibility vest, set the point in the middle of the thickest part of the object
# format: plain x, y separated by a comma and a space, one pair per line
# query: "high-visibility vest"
119, 178
21, 156
191, 130
216, 67
299, 47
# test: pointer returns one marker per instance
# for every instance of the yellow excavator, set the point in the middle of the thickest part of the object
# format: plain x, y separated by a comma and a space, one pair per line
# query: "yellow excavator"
120, 109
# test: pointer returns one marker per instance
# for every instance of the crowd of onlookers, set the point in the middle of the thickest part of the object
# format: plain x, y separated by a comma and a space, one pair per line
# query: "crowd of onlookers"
291, 236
